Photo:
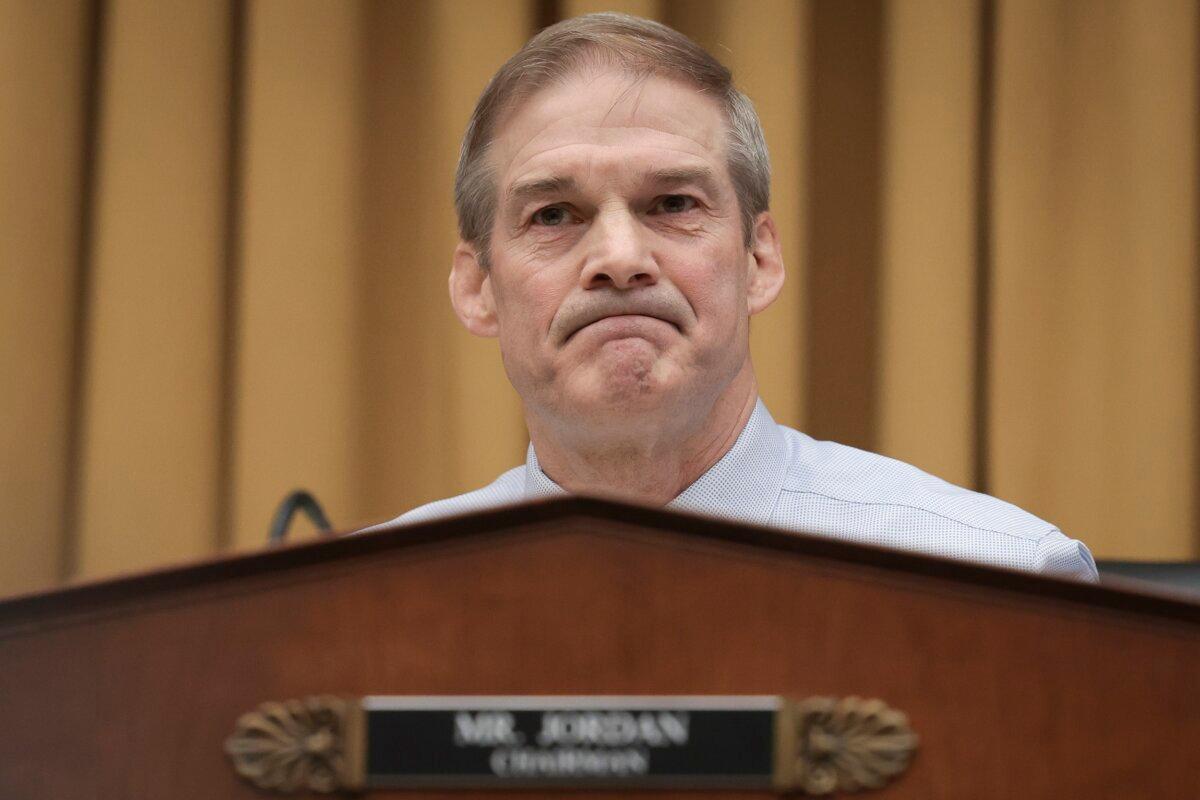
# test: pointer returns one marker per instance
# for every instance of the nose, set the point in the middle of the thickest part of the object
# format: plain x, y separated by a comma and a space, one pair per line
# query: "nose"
618, 255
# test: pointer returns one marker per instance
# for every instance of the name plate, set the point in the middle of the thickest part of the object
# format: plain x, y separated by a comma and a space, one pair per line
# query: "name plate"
483, 742
812, 746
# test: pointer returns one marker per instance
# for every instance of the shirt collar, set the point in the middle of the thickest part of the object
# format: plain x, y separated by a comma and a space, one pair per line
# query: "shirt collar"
744, 484
538, 485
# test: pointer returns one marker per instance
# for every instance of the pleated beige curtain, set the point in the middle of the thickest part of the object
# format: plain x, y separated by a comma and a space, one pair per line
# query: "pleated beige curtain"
225, 229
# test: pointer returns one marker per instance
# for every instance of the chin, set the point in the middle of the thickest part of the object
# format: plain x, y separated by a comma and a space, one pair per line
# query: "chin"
626, 378
628, 371
625, 391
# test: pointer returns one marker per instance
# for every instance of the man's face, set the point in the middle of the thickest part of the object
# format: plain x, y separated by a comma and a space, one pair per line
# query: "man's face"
619, 271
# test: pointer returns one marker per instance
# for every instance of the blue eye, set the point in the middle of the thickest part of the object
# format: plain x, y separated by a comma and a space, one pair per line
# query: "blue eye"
676, 203
550, 216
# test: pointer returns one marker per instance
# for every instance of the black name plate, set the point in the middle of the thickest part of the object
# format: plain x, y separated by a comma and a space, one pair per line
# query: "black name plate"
522, 741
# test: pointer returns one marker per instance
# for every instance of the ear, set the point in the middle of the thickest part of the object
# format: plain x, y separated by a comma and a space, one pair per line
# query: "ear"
471, 292
764, 264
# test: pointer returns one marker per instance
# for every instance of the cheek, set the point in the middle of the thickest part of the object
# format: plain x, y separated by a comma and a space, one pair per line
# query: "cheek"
527, 301
544, 295
713, 279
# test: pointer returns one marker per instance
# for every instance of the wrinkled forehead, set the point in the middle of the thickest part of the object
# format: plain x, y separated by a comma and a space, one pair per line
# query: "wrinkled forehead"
603, 115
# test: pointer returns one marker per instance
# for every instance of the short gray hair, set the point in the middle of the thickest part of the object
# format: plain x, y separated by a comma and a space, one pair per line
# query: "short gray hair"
639, 46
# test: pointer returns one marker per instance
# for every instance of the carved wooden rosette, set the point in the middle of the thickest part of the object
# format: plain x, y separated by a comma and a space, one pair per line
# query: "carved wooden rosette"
309, 745
844, 745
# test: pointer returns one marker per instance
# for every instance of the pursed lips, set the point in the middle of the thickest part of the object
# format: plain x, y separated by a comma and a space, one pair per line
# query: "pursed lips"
589, 323
658, 303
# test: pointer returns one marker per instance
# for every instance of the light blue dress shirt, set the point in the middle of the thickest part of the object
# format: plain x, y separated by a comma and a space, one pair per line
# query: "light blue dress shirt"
779, 477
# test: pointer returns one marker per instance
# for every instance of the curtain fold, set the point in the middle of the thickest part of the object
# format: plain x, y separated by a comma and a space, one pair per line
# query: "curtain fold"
1094, 308
42, 155
148, 458
929, 260
296, 265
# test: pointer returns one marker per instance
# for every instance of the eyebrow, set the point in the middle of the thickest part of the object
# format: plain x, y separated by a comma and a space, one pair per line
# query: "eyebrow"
700, 176
523, 192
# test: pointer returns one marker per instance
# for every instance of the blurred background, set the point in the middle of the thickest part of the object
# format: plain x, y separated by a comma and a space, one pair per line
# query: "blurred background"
226, 225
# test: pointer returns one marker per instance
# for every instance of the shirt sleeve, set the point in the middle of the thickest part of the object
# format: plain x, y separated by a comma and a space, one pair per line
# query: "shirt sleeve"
1064, 557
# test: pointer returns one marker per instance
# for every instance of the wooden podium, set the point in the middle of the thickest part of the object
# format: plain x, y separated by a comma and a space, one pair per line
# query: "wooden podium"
1016, 686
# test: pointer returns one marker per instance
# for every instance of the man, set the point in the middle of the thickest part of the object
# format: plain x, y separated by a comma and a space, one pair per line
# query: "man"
612, 196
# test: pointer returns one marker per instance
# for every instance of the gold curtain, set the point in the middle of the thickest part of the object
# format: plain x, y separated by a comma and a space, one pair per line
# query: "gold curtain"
226, 226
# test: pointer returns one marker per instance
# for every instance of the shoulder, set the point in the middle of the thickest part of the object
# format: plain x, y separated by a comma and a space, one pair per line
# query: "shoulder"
508, 489
854, 494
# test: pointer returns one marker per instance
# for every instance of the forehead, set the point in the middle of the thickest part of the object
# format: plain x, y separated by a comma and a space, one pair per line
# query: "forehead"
604, 124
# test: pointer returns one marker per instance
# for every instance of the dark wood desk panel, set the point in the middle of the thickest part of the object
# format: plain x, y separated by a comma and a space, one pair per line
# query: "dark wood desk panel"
1019, 686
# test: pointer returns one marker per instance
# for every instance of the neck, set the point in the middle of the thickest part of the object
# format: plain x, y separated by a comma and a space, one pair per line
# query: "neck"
648, 461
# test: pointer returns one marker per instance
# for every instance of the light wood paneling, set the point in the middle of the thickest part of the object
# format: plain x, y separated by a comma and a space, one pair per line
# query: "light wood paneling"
927, 275
1095, 339
845, 176
150, 460
43, 49
650, 9
439, 415
296, 355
